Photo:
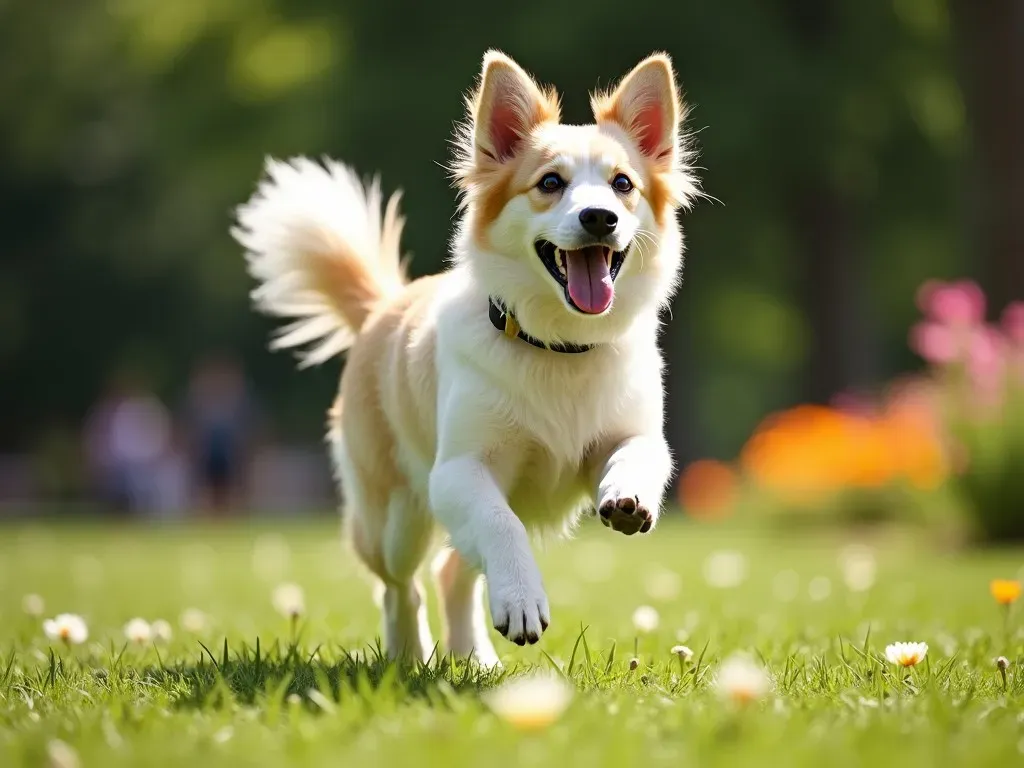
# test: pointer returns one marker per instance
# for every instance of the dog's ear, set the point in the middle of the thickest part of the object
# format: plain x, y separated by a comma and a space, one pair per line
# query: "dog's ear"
507, 106
646, 104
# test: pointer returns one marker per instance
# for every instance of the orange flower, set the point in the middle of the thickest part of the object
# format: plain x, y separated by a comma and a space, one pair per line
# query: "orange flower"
810, 452
708, 489
1005, 591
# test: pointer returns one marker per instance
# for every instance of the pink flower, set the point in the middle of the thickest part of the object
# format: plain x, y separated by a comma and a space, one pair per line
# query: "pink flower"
935, 343
986, 363
1013, 322
957, 303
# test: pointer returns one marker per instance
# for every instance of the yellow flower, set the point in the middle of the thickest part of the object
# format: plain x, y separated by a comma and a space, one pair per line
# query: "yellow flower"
530, 703
906, 654
1005, 591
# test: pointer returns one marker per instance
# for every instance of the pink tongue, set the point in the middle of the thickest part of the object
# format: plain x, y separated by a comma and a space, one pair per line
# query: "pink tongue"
590, 284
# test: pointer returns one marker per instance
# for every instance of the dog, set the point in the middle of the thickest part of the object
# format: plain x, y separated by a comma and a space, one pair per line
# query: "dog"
521, 387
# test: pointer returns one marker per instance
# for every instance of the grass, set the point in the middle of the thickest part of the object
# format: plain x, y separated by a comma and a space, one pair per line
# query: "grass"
243, 691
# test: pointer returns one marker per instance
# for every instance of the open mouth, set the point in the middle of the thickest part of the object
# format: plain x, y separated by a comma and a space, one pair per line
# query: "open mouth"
586, 274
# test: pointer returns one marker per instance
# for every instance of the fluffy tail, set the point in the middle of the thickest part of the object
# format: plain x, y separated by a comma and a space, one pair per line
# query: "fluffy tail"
317, 246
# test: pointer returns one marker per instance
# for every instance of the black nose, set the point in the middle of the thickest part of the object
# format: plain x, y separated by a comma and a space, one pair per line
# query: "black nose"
599, 222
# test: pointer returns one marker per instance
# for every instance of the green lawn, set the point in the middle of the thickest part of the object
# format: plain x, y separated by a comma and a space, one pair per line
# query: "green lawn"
834, 699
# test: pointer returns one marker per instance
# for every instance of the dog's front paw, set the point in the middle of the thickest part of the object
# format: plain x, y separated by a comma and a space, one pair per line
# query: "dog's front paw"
626, 514
519, 610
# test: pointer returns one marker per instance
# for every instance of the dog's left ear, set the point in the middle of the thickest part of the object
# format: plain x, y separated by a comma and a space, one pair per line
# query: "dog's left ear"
646, 105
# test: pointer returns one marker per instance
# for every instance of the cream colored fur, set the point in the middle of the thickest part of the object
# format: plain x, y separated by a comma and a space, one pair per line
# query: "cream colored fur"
441, 419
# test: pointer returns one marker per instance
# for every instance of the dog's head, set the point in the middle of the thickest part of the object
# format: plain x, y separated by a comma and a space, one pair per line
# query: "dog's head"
573, 226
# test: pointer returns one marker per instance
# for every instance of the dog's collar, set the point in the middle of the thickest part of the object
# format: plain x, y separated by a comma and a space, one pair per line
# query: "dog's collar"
506, 322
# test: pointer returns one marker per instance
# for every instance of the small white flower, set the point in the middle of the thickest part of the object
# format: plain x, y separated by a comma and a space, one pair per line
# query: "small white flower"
683, 652
1003, 663
68, 628
61, 755
138, 631
162, 631
741, 680
906, 654
33, 605
530, 702
725, 569
194, 621
289, 601
645, 619
859, 567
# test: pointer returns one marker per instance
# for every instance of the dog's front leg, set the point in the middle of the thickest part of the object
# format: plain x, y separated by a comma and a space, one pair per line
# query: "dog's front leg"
477, 460
631, 483
468, 502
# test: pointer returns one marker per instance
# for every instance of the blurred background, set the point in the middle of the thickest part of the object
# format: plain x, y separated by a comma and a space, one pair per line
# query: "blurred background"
864, 247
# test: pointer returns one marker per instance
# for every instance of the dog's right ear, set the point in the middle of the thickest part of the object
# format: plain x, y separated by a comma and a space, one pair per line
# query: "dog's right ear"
507, 105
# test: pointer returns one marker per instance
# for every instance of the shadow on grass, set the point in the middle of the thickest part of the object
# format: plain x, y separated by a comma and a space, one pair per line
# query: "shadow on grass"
319, 677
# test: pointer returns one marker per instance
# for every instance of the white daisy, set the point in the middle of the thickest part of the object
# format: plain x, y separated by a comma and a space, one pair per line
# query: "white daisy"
194, 621
33, 605
645, 619
289, 600
683, 652
162, 632
531, 702
69, 628
859, 567
906, 654
138, 631
742, 681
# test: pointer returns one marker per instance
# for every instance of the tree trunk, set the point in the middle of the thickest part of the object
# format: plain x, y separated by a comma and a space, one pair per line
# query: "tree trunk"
833, 294
989, 35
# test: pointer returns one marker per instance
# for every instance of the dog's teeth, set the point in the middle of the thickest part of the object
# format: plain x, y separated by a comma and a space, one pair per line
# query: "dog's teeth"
560, 260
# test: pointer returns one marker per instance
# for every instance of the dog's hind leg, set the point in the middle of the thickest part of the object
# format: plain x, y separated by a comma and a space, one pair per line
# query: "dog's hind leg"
406, 539
390, 531
460, 587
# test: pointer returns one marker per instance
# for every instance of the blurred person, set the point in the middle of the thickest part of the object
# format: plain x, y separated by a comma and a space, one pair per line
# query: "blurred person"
127, 437
218, 423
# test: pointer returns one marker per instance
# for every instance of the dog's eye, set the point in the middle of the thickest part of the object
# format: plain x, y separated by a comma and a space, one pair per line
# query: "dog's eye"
550, 182
622, 184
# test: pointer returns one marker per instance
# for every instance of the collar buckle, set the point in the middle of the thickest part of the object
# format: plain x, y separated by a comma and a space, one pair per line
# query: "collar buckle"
506, 322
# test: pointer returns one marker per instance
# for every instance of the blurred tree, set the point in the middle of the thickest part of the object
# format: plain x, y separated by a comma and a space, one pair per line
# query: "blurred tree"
990, 47
831, 133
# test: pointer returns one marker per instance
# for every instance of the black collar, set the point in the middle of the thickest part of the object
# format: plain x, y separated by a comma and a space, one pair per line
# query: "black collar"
505, 322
